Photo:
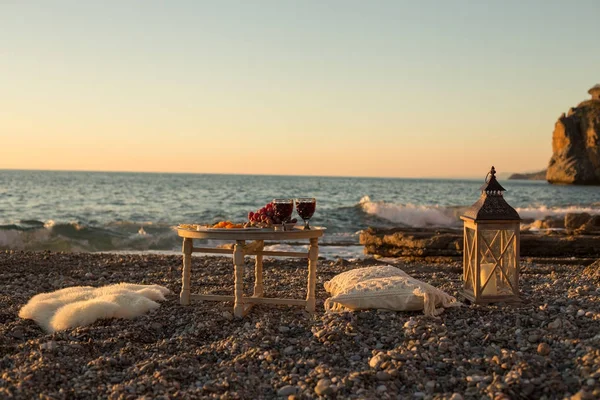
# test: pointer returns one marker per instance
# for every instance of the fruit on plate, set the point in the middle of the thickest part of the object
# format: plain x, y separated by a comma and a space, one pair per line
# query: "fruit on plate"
227, 225
265, 217
218, 225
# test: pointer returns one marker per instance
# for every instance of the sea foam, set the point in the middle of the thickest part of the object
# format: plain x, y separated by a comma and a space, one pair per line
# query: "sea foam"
419, 216
411, 215
542, 212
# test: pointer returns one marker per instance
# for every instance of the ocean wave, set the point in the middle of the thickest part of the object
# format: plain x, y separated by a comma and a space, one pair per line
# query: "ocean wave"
541, 212
79, 237
420, 216
411, 215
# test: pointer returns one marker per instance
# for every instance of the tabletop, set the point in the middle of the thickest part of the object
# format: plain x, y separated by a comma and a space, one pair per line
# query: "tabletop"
252, 234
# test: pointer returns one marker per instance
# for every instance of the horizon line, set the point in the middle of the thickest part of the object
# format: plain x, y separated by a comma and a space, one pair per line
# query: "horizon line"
243, 174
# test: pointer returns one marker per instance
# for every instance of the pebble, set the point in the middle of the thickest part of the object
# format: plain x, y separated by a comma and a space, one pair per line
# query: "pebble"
476, 333
17, 333
580, 313
557, 323
50, 346
533, 338
475, 378
157, 326
383, 376
320, 333
543, 349
323, 387
456, 396
430, 386
376, 361
227, 315
287, 390
411, 323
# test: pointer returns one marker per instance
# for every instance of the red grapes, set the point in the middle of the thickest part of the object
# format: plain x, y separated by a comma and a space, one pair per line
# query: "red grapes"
265, 216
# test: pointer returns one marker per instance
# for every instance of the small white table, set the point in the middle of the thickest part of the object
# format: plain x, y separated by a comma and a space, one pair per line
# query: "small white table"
256, 248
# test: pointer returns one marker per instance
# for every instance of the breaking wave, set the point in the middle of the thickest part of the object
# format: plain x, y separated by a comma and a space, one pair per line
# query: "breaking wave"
541, 212
410, 215
78, 237
421, 216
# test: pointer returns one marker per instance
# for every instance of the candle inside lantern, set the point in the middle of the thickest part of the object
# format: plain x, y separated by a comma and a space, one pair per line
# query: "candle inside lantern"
490, 289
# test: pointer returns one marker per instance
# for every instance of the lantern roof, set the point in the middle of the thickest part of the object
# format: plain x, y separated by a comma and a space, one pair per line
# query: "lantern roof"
491, 205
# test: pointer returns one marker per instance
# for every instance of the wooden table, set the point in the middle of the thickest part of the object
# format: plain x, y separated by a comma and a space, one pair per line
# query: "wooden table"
256, 248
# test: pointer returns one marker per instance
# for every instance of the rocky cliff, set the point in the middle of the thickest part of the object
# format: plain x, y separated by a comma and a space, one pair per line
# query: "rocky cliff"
576, 146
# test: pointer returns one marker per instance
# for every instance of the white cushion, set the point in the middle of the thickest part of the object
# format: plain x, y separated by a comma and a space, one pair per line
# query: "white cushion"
384, 287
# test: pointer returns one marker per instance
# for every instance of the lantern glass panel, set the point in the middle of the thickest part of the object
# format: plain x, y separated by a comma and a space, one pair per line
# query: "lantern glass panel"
470, 259
508, 279
497, 258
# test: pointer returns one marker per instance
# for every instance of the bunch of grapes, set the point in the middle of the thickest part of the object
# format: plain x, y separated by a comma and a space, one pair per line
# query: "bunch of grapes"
266, 216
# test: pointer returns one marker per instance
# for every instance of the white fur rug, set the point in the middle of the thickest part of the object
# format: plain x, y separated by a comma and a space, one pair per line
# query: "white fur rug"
82, 305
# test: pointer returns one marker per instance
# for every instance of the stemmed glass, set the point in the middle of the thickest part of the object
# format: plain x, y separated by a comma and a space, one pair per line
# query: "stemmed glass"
283, 209
306, 208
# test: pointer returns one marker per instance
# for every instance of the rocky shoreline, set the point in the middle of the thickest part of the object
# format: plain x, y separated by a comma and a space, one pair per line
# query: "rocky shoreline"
549, 347
573, 235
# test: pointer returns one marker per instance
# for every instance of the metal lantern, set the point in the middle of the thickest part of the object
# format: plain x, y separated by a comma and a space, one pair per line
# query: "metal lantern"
491, 247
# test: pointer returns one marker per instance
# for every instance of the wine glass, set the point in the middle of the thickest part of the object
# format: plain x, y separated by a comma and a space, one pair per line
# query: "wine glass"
306, 208
283, 209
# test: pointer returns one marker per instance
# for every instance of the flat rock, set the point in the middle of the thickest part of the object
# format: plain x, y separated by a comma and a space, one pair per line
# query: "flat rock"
422, 243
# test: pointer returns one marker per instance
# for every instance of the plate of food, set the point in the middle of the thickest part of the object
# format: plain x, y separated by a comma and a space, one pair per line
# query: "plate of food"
210, 229
218, 227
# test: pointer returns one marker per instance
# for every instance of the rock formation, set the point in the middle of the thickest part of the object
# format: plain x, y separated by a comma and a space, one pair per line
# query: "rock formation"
532, 176
576, 145
447, 244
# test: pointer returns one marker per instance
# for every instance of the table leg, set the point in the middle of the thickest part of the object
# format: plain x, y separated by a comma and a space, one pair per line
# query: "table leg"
238, 292
313, 255
258, 272
184, 296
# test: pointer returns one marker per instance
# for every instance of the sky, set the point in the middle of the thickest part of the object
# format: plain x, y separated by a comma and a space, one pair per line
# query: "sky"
336, 88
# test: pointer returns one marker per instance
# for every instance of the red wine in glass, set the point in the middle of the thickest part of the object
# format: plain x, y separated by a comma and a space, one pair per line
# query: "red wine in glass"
283, 209
306, 208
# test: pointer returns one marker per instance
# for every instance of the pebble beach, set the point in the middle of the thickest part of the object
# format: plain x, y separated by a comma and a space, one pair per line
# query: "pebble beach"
546, 348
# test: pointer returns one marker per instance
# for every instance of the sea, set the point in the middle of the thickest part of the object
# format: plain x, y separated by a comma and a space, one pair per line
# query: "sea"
138, 212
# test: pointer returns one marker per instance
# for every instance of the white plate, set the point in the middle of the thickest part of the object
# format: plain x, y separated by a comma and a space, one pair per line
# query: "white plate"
207, 229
